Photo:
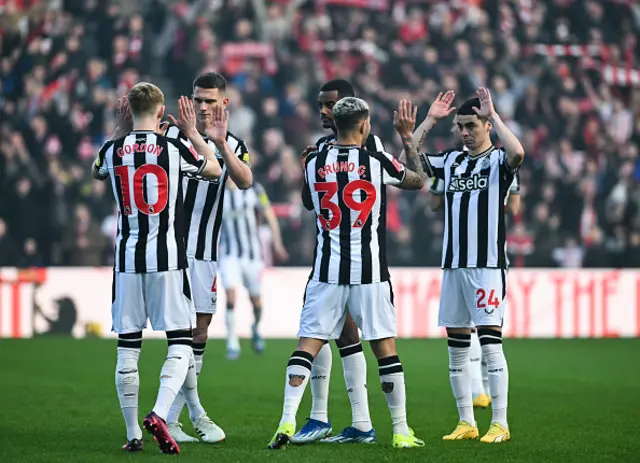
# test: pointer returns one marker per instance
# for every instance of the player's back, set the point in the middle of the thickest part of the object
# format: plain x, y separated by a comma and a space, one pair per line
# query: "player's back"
347, 188
146, 172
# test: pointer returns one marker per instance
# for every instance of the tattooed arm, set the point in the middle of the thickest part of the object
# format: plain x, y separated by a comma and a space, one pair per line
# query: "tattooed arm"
420, 134
414, 178
404, 121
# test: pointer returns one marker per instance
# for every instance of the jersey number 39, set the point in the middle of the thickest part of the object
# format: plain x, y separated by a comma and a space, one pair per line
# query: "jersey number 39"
364, 207
142, 203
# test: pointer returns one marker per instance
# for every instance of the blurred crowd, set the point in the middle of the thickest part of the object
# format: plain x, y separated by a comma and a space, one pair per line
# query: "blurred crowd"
565, 74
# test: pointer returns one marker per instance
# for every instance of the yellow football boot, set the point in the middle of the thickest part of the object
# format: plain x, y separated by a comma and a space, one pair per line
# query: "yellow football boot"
282, 437
496, 435
482, 401
463, 431
400, 441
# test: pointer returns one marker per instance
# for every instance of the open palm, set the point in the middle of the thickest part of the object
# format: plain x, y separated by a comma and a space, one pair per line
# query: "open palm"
486, 109
124, 120
186, 121
217, 131
441, 107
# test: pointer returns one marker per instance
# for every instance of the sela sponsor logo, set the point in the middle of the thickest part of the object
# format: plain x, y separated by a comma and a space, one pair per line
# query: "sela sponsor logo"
140, 148
475, 182
340, 166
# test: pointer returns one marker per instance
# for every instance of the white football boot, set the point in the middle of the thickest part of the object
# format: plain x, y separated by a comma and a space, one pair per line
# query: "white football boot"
175, 429
208, 431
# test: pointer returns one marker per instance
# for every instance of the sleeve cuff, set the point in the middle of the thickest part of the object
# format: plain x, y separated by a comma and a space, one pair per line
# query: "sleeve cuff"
202, 166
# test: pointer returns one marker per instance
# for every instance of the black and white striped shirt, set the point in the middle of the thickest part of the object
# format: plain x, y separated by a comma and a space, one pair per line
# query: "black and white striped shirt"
346, 188
240, 235
373, 143
204, 201
476, 188
146, 173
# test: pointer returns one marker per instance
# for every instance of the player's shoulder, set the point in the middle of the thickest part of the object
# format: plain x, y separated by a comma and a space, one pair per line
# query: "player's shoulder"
373, 153
324, 140
181, 146
172, 132
235, 142
373, 143
172, 142
382, 156
174, 137
310, 157
456, 151
386, 160
108, 144
322, 149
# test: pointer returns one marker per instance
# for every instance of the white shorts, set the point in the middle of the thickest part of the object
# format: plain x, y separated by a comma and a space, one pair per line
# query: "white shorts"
162, 297
204, 281
325, 309
235, 272
472, 296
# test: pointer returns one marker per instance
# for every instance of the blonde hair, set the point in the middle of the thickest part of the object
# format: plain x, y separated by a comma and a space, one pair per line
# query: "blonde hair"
144, 99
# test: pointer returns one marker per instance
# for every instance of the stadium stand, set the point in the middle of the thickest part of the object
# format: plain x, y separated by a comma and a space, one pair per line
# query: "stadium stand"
564, 74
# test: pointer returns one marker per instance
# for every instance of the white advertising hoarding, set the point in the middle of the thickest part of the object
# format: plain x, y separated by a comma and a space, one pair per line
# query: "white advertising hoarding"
541, 303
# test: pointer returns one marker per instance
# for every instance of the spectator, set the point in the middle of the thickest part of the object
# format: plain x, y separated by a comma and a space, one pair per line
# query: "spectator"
554, 69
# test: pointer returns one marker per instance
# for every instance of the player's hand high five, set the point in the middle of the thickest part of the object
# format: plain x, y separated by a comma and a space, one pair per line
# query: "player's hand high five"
486, 109
404, 119
124, 121
217, 131
186, 117
441, 107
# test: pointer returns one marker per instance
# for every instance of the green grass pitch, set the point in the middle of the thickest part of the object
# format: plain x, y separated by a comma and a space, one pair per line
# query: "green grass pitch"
570, 401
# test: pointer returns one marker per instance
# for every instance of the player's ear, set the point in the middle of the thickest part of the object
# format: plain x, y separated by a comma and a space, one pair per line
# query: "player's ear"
161, 112
225, 102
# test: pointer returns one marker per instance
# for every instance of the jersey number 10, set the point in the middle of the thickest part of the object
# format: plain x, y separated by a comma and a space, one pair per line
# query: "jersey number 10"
141, 203
364, 207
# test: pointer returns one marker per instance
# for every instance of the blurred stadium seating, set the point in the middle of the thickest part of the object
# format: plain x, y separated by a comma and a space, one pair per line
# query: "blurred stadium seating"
564, 74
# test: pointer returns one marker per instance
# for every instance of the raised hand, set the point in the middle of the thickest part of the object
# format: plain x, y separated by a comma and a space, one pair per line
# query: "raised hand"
486, 109
404, 119
441, 107
186, 121
217, 130
124, 121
